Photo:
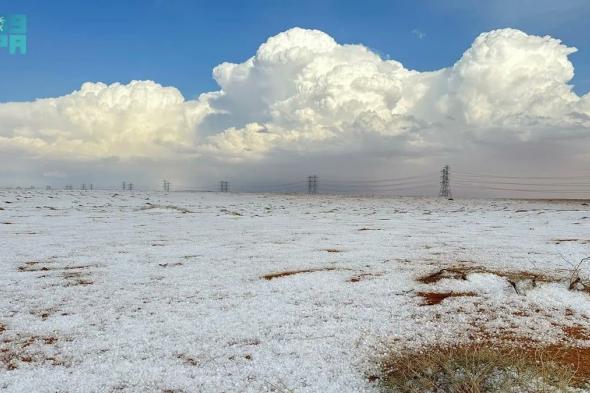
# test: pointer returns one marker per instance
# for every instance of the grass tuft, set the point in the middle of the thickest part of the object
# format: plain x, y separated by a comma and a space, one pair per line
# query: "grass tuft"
487, 367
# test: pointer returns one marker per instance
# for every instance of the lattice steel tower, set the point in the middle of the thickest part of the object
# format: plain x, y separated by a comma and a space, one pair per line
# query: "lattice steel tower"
312, 184
445, 186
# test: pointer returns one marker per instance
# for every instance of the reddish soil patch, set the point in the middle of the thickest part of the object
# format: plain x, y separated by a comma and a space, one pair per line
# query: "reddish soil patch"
576, 332
272, 276
433, 298
576, 357
457, 273
28, 349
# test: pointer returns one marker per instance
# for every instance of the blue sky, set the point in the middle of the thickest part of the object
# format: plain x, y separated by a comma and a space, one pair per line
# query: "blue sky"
177, 43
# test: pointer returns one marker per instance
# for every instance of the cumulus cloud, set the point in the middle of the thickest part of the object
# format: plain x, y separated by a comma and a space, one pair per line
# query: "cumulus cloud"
304, 93
309, 94
141, 119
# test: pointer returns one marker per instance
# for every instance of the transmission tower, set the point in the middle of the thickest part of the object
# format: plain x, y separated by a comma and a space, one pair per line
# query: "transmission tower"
445, 187
166, 185
312, 184
224, 186
130, 186
124, 186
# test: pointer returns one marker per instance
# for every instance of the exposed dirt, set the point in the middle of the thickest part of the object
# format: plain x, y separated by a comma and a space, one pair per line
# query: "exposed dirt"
577, 332
28, 349
272, 276
433, 298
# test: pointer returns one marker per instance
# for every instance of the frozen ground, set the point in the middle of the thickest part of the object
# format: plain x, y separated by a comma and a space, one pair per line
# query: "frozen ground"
148, 292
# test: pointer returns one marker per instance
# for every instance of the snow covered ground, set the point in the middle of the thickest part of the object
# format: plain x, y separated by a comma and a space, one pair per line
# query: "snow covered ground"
154, 292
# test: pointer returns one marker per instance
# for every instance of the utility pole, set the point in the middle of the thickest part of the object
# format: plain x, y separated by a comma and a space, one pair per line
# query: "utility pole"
83, 187
312, 184
130, 186
91, 186
124, 186
445, 186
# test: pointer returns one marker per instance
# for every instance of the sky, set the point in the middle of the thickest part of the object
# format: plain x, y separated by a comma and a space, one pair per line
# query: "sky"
147, 89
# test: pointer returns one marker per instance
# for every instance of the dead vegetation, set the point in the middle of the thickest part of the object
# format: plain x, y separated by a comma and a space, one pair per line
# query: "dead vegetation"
363, 276
461, 272
559, 241
72, 275
578, 281
149, 206
494, 361
14, 352
231, 212
189, 360
456, 273
35, 266
272, 276
170, 264
433, 298
494, 365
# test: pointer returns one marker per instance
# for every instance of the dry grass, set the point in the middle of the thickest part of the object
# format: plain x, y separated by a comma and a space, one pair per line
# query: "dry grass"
577, 280
461, 272
487, 367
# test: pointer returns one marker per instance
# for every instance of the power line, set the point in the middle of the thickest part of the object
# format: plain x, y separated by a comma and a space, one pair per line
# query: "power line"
467, 173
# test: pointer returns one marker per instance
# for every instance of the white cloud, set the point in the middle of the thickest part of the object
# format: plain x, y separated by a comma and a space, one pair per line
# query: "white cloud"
304, 93
307, 95
418, 33
141, 119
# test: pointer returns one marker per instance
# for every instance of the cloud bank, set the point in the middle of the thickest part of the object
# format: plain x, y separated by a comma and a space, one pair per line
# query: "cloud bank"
305, 95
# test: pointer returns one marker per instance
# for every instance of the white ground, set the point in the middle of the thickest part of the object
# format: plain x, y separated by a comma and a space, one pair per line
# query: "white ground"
99, 295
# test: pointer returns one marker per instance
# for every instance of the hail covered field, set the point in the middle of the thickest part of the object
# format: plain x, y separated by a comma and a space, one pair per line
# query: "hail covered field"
208, 292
